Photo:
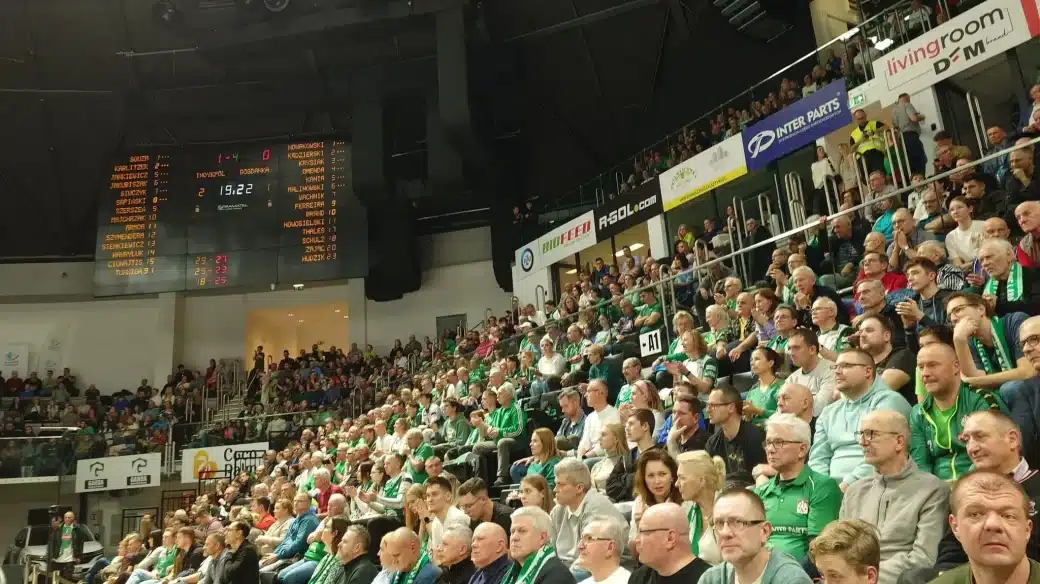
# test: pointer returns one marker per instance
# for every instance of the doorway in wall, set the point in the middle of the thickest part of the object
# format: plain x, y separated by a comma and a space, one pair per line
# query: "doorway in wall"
297, 327
451, 322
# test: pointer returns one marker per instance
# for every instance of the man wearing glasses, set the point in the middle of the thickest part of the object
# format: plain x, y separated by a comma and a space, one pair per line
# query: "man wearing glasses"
599, 551
908, 506
835, 451
936, 422
663, 543
799, 501
833, 336
742, 531
1026, 408
735, 441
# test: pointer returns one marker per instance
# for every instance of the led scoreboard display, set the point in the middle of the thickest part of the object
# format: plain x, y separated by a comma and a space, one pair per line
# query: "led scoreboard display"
222, 217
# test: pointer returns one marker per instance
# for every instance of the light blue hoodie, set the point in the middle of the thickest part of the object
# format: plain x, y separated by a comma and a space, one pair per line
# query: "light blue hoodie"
835, 450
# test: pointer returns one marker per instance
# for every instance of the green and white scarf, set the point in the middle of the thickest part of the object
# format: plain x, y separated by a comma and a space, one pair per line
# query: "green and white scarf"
696, 529
390, 489
778, 343
1000, 344
531, 567
1013, 291
424, 558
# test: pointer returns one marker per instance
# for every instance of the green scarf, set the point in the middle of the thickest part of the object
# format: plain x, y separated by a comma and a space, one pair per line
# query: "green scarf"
532, 566
424, 558
392, 486
999, 343
696, 528
778, 343
1013, 292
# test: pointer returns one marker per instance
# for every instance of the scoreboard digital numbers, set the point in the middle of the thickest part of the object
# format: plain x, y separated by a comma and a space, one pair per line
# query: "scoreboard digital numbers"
229, 216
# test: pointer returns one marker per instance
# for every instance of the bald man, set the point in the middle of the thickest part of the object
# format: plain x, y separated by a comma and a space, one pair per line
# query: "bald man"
399, 551
490, 554
906, 236
1027, 215
663, 543
908, 504
944, 455
797, 399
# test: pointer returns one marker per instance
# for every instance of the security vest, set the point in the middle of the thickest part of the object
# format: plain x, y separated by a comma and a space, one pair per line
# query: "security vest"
873, 140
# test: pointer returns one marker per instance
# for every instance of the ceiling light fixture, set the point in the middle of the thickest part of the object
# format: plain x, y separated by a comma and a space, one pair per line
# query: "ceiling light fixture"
336, 311
291, 314
572, 271
636, 246
301, 320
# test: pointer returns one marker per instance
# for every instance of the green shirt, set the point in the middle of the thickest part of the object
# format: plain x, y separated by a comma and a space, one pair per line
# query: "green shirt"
625, 396
764, 398
510, 421
799, 509
423, 452
547, 469
66, 537
648, 309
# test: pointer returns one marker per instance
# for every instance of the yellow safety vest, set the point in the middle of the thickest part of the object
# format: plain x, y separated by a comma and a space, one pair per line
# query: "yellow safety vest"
873, 139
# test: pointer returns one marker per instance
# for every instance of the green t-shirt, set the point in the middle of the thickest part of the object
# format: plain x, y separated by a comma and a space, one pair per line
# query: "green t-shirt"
547, 469
799, 508
648, 309
423, 452
625, 396
764, 398
942, 423
165, 561
66, 537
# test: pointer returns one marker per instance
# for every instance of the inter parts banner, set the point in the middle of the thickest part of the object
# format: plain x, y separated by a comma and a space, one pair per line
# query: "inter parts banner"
981, 33
824, 111
634, 208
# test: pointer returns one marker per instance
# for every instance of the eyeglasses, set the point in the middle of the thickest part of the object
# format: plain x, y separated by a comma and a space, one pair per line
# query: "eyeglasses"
1030, 342
587, 539
778, 444
844, 366
870, 435
712, 406
735, 524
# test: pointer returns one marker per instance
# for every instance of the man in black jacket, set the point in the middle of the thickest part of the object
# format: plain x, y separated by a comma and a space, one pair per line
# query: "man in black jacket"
639, 428
353, 554
242, 566
453, 556
65, 546
193, 554
531, 540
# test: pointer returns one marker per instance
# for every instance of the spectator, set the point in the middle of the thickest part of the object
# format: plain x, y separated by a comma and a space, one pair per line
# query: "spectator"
894, 366
905, 117
472, 497
845, 249
964, 241
926, 307
405, 557
760, 257
1027, 253
353, 556
906, 237
242, 565
1010, 286
645, 397
833, 336
948, 277
699, 478
1021, 184
576, 505
847, 551
812, 372
737, 442
454, 430
543, 459
601, 415
507, 426
324, 490
572, 427
807, 291
664, 550
986, 502
632, 372
436, 513
490, 554
761, 400
989, 349
653, 484
639, 431
599, 551
935, 424
531, 548
452, 556
908, 505
742, 529
879, 192
330, 528
799, 501
65, 545
275, 533
686, 433
834, 451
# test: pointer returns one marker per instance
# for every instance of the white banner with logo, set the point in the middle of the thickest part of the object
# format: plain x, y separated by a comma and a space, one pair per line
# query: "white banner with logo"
15, 358
136, 471
565, 240
708, 170
214, 460
981, 33
528, 259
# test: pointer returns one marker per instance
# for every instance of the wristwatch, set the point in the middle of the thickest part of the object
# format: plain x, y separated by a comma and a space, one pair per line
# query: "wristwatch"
427, 520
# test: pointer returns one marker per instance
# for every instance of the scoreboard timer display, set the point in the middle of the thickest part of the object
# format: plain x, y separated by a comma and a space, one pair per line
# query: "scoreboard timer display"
200, 218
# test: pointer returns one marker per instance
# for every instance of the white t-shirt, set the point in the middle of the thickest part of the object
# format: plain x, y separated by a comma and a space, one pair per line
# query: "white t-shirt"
965, 243
820, 382
555, 365
594, 423
618, 576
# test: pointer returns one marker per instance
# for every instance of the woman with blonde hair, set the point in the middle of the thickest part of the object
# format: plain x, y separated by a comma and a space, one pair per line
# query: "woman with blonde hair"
543, 459
644, 397
416, 494
700, 477
536, 492
614, 444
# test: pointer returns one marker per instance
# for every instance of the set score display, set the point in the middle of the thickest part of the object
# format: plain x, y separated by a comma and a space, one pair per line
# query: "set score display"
199, 218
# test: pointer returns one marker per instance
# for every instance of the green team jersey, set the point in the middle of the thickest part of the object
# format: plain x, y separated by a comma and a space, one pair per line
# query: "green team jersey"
799, 508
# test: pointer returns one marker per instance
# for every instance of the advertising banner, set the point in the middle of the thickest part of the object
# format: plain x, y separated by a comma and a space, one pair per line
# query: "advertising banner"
797, 125
567, 239
978, 34
528, 259
708, 170
15, 356
214, 459
634, 208
135, 471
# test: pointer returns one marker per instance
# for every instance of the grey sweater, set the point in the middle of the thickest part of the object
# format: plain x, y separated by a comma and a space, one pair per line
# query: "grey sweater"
909, 510
780, 569
568, 526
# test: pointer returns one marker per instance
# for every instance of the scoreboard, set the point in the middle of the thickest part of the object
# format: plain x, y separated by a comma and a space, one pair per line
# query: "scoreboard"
200, 218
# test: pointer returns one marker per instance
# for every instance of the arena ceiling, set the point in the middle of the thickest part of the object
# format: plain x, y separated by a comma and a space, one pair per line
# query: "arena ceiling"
563, 88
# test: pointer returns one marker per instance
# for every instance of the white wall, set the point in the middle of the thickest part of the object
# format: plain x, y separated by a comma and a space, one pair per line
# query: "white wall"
114, 343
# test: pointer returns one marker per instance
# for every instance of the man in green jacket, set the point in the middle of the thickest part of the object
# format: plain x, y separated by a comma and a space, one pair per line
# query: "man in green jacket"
935, 423
507, 426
